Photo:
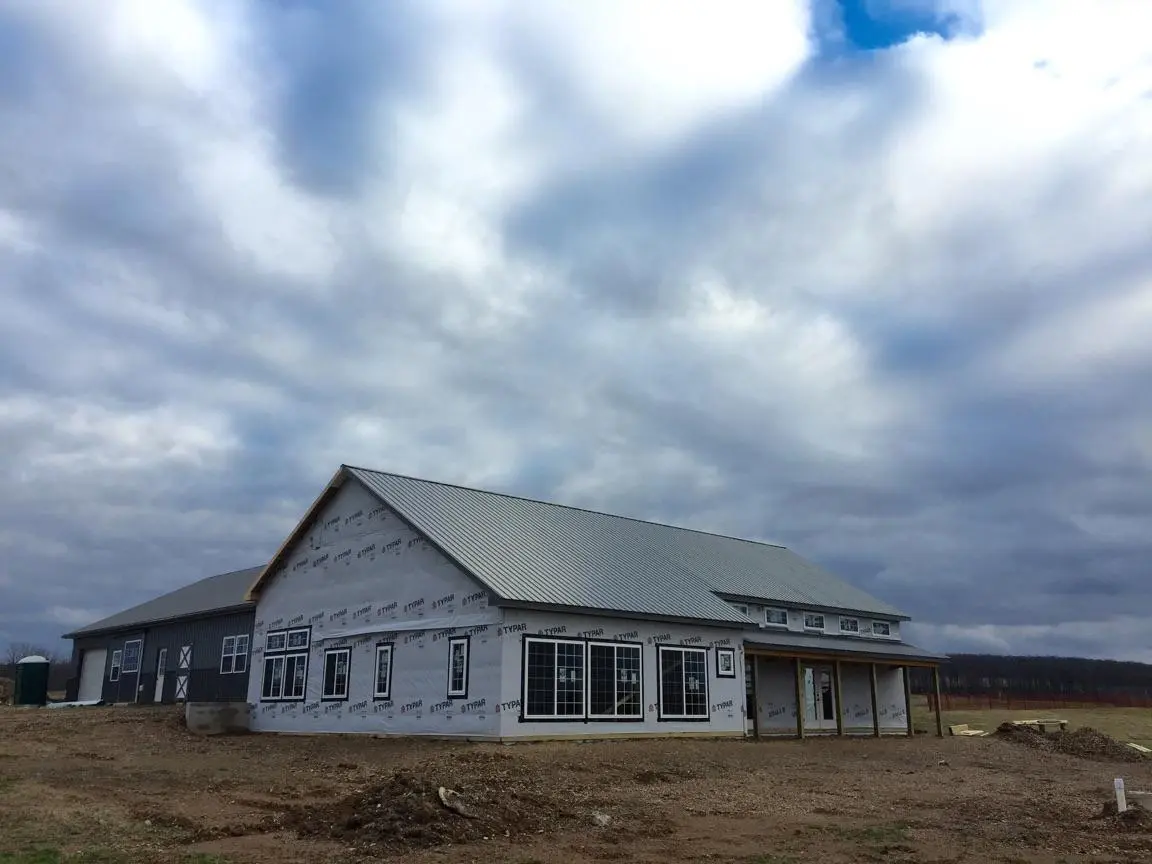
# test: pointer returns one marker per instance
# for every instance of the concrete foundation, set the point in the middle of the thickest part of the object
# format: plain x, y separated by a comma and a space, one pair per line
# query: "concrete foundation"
218, 718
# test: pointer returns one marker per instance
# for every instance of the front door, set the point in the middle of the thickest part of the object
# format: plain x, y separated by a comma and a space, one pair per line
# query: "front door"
819, 698
161, 663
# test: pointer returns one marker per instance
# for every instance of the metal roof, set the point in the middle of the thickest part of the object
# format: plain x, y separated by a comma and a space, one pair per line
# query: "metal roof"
535, 552
214, 594
880, 649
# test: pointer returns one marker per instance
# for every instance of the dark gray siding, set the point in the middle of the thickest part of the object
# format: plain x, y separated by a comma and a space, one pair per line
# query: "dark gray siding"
205, 683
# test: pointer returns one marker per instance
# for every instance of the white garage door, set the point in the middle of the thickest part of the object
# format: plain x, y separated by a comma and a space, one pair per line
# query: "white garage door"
92, 674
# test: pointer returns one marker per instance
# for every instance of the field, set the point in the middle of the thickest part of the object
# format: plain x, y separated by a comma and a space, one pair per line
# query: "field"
118, 785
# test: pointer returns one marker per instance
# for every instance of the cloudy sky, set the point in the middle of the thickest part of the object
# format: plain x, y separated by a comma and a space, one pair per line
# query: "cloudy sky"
872, 279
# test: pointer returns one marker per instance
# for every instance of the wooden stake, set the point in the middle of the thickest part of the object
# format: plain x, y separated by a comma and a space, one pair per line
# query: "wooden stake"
875, 706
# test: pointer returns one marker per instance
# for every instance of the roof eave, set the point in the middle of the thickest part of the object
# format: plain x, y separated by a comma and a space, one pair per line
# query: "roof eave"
815, 607
624, 613
84, 633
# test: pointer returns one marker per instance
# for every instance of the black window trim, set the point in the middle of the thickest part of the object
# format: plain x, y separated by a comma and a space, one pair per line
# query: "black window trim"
376, 695
344, 649
286, 653
660, 717
576, 718
724, 650
452, 641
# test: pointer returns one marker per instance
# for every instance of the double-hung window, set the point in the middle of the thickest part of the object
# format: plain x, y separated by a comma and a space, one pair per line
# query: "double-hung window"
614, 682
234, 655
383, 671
114, 669
566, 679
285, 665
336, 665
683, 683
458, 667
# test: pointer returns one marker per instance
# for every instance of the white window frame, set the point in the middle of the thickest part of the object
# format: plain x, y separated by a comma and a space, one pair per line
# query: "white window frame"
854, 630
135, 670
769, 610
817, 627
886, 631
114, 668
461, 691
278, 652
662, 715
524, 715
229, 656
383, 650
301, 645
335, 695
616, 646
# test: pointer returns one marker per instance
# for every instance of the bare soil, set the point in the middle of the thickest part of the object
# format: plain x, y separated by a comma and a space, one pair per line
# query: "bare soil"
131, 785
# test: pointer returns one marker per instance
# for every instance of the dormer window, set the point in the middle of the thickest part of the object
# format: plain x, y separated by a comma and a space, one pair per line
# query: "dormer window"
776, 617
881, 628
849, 625
813, 621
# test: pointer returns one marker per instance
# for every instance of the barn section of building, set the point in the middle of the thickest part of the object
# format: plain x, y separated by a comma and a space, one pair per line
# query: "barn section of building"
192, 644
406, 606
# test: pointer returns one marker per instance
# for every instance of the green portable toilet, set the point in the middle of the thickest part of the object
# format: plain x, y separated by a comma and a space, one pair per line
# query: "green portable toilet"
31, 681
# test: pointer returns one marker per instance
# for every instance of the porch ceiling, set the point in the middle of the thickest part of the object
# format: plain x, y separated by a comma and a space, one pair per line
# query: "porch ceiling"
847, 648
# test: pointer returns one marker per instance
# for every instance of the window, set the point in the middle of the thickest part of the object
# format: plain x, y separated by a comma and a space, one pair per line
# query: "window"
881, 628
336, 664
553, 679
683, 683
458, 667
234, 655
614, 688
131, 657
813, 621
383, 671
849, 625
776, 617
742, 608
725, 663
114, 670
285, 665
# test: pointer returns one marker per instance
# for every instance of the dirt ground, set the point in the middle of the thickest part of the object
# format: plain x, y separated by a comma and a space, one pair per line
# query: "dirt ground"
119, 785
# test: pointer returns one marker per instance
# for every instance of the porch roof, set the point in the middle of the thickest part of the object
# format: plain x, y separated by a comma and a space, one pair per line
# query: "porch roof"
848, 648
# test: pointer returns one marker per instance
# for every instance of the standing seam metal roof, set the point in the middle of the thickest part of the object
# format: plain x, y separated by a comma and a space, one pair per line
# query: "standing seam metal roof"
224, 591
550, 554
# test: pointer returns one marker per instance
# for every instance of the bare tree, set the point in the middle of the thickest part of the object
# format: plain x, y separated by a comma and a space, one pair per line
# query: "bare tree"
17, 651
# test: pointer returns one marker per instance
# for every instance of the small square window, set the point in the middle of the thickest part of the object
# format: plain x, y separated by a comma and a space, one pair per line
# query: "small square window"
849, 625
881, 628
776, 617
297, 639
277, 641
742, 608
812, 621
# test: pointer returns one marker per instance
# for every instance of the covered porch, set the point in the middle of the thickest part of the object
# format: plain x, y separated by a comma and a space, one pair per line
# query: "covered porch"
800, 685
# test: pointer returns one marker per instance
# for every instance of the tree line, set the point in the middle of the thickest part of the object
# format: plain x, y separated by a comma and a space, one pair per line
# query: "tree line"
59, 664
993, 674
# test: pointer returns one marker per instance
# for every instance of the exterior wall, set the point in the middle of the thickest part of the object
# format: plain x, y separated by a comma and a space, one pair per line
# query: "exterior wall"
831, 621
205, 683
725, 695
361, 576
776, 694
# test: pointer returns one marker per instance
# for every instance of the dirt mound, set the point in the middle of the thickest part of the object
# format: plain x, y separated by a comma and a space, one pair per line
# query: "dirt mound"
1085, 742
1135, 818
406, 812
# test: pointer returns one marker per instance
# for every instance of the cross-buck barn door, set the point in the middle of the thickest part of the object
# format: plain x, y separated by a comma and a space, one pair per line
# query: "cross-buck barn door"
161, 663
185, 665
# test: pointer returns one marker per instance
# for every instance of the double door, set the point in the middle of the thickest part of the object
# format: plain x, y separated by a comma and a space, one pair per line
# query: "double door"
819, 698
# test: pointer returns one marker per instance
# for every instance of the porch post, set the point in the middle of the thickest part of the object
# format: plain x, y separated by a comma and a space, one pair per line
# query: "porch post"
799, 698
875, 707
908, 698
939, 711
839, 701
755, 695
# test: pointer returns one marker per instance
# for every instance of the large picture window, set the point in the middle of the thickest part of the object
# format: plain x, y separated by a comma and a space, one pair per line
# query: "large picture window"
614, 689
553, 679
285, 665
458, 667
683, 683
336, 664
